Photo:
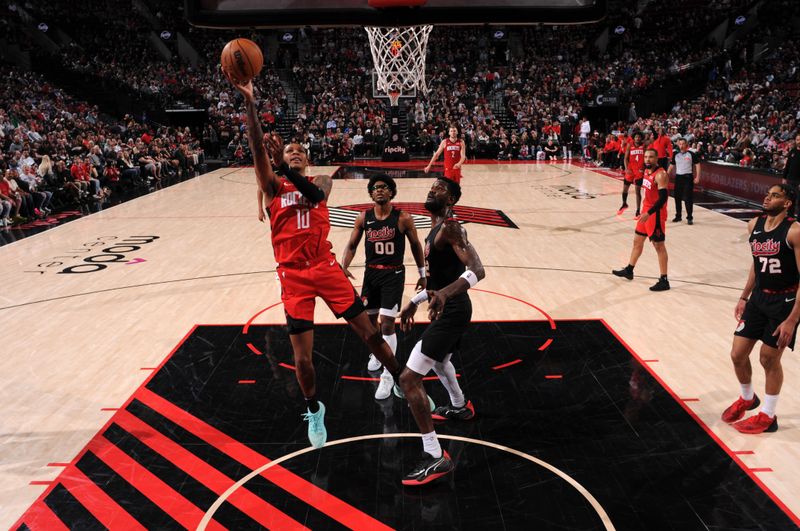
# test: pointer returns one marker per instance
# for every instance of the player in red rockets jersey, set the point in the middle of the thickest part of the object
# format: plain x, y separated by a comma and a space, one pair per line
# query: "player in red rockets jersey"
634, 171
455, 153
307, 268
652, 223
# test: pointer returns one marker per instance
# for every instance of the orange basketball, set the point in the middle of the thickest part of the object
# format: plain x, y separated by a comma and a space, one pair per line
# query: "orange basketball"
242, 58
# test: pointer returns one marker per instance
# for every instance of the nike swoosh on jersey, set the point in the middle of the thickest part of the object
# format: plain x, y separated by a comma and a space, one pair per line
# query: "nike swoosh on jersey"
790, 300
757, 232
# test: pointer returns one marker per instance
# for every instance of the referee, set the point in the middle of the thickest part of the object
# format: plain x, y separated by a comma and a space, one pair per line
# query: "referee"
685, 163
791, 171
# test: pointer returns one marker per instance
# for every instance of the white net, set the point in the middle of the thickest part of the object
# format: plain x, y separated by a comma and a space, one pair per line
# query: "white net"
399, 57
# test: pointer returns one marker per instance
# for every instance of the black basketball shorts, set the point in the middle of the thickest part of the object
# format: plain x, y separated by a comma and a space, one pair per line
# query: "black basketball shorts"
382, 291
443, 335
762, 315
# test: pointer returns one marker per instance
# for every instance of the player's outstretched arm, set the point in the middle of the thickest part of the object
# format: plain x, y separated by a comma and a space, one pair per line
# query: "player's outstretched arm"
352, 244
408, 227
267, 180
438, 152
456, 236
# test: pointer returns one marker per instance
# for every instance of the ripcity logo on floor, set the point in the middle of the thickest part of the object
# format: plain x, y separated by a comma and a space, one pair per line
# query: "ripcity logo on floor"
113, 250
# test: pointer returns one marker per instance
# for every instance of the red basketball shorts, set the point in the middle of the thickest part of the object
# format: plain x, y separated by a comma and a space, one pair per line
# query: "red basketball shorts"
654, 227
454, 174
300, 286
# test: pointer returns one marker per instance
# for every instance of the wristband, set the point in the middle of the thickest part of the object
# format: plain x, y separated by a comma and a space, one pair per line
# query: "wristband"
470, 277
421, 272
420, 297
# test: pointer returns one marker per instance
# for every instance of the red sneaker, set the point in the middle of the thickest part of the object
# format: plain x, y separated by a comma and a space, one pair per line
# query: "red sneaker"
621, 209
758, 424
736, 410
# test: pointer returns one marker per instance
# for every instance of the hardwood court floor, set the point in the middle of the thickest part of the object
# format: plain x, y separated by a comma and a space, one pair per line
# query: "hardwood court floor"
83, 327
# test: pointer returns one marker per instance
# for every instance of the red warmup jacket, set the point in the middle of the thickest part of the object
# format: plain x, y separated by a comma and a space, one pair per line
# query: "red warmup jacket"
663, 145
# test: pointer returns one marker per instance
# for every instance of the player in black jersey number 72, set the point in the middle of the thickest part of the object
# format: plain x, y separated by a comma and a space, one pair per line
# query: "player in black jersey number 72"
453, 267
768, 309
386, 229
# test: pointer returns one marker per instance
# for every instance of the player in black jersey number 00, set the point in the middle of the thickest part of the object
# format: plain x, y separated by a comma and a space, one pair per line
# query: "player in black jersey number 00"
386, 229
768, 309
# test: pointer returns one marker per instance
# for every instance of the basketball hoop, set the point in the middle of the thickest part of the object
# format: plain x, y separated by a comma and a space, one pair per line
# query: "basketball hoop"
394, 97
399, 57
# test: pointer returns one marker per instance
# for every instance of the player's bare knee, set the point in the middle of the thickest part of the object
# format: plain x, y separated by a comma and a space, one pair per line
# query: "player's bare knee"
387, 326
408, 379
770, 360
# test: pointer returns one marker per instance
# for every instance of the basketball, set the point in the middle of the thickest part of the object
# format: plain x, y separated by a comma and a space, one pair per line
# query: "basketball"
242, 59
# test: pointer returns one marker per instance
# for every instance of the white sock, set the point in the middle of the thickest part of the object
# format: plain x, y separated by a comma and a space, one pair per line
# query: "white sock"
447, 375
769, 404
431, 444
747, 391
392, 340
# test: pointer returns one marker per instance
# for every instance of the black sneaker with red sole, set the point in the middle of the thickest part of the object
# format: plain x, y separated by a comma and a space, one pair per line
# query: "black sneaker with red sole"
428, 469
449, 412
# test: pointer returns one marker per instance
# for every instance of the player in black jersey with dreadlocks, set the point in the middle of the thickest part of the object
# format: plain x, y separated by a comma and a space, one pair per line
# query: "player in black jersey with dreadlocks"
386, 229
453, 266
768, 309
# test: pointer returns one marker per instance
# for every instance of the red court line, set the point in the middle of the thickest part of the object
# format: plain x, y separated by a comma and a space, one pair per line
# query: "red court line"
546, 344
96, 501
705, 427
744, 452
690, 399
549, 319
77, 458
40, 516
182, 510
250, 321
247, 381
361, 379
256, 508
504, 365
554, 376
322, 500
287, 366
254, 350
760, 470
37, 482
57, 464
109, 409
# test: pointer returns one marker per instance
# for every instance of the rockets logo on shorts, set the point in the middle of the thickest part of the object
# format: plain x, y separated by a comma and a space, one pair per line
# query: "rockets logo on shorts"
741, 326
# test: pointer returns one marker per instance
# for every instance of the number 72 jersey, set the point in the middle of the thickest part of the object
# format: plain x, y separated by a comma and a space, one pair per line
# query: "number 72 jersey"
773, 258
299, 228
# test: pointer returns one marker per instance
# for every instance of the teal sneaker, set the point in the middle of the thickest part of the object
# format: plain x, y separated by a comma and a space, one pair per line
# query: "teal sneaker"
317, 434
399, 394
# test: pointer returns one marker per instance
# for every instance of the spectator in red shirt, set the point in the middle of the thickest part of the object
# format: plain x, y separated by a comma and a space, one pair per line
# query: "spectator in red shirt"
663, 145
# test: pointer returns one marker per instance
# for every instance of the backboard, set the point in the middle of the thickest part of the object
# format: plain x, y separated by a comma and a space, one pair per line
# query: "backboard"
322, 13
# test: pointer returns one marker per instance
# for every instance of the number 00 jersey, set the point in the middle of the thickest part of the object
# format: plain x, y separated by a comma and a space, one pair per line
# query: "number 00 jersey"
773, 258
299, 228
385, 245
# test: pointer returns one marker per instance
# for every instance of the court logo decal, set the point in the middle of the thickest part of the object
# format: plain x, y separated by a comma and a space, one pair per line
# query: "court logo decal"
345, 216
113, 250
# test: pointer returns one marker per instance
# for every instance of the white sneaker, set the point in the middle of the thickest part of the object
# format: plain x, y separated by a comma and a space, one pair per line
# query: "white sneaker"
374, 363
385, 387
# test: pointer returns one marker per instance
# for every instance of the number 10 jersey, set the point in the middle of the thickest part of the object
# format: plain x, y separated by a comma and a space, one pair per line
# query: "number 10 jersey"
299, 227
